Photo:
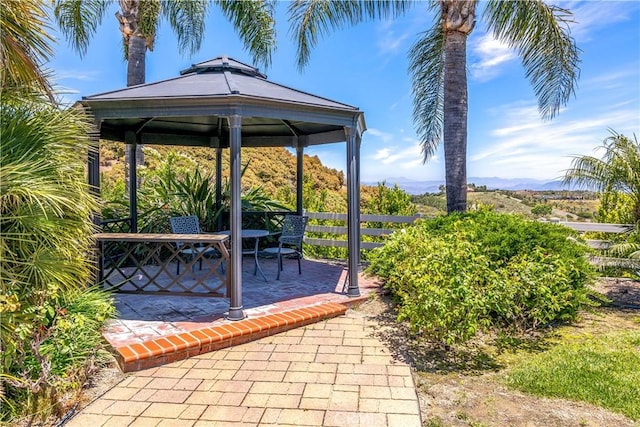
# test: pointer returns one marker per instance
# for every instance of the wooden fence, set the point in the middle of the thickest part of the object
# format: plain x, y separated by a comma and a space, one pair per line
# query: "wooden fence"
375, 226
603, 244
371, 225
378, 231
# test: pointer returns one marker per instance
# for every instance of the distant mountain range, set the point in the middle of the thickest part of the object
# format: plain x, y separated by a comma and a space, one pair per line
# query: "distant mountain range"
421, 187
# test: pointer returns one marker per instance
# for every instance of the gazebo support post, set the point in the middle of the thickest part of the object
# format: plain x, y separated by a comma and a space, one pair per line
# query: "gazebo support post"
236, 311
131, 140
353, 211
219, 187
93, 175
357, 159
93, 171
299, 177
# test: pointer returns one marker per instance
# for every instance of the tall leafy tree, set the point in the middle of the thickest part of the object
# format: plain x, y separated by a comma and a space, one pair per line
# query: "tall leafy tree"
616, 176
537, 31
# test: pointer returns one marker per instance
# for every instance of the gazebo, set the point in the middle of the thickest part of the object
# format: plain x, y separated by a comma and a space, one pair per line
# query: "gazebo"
223, 103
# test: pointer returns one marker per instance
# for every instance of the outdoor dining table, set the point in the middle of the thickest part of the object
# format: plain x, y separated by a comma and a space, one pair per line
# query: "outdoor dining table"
255, 234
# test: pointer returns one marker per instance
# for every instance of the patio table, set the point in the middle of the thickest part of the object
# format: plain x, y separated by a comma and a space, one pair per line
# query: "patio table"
252, 234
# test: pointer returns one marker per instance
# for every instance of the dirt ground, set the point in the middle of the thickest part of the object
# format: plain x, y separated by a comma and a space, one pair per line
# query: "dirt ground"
463, 389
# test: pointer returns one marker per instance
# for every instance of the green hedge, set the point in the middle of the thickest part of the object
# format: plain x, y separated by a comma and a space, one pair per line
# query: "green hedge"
458, 274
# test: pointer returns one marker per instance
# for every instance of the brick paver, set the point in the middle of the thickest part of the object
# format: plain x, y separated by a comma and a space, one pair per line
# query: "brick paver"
287, 379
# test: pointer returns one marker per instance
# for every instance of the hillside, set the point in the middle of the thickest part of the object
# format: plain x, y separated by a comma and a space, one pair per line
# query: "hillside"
566, 205
272, 168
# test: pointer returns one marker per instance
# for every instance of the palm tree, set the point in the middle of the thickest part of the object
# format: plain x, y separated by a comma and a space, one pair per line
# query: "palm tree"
615, 176
24, 47
537, 31
139, 20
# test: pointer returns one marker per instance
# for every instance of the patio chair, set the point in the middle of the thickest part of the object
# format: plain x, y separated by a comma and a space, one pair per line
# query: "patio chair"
290, 240
189, 225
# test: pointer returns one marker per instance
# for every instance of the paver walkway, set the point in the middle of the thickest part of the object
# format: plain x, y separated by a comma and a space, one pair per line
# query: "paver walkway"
332, 373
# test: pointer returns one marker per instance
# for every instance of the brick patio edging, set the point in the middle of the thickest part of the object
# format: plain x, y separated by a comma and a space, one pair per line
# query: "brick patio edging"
160, 351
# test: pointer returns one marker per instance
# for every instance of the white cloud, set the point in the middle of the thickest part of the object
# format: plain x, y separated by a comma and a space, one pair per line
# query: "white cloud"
592, 15
62, 90
384, 136
394, 35
526, 146
398, 160
380, 162
613, 79
77, 75
491, 56
389, 40
382, 154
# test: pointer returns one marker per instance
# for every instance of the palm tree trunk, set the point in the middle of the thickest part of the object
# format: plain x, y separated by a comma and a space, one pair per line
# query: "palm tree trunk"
136, 60
458, 22
455, 121
129, 17
136, 71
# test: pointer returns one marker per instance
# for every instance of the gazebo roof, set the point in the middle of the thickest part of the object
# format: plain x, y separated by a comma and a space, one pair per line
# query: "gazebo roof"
190, 109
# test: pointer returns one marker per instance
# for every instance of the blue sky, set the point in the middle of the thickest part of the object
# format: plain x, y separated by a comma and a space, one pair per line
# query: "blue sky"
366, 66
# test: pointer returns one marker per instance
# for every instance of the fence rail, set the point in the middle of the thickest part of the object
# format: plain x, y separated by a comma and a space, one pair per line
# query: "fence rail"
371, 226
366, 219
337, 230
597, 227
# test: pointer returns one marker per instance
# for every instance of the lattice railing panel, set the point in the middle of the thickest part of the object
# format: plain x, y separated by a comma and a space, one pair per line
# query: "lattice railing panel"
151, 266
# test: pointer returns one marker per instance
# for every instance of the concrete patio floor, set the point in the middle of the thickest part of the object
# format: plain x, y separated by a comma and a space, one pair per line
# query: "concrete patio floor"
152, 330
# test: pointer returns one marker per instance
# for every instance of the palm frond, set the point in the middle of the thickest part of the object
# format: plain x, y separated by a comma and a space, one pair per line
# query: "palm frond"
617, 170
588, 172
79, 19
540, 34
624, 249
24, 46
426, 66
616, 173
255, 24
149, 19
187, 18
45, 203
312, 19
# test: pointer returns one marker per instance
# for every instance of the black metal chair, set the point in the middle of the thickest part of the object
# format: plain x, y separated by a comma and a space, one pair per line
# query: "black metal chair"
290, 240
189, 225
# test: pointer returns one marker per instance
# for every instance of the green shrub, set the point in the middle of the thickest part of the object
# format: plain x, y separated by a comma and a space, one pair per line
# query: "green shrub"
458, 274
542, 209
46, 374
177, 186
434, 200
46, 240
